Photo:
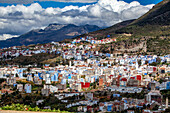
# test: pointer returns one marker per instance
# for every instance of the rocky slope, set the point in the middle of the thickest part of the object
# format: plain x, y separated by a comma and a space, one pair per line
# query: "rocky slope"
149, 34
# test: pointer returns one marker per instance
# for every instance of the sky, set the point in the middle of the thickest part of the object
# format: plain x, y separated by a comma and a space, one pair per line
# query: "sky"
20, 16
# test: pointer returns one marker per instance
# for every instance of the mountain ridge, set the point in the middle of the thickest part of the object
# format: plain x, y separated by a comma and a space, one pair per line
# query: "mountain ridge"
155, 23
150, 33
53, 32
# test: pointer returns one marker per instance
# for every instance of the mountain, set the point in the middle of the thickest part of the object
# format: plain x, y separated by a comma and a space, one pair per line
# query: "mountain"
53, 32
149, 34
156, 22
152, 30
110, 30
158, 15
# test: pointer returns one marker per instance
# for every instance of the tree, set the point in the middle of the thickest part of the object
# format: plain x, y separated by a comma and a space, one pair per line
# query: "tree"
28, 69
105, 93
156, 107
139, 62
16, 75
111, 97
144, 106
158, 60
148, 106
146, 62
160, 81
153, 64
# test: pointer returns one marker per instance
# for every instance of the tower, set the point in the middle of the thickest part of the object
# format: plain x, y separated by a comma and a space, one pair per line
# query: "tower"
166, 102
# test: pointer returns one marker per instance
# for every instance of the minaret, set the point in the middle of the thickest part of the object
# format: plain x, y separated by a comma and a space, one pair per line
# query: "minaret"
166, 102
101, 71
69, 63
137, 66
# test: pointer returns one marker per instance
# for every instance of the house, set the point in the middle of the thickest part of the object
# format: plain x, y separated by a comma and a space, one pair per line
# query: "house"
20, 87
165, 86
89, 96
39, 102
153, 104
101, 82
11, 81
109, 107
53, 89
76, 87
45, 92
1, 74
154, 84
132, 82
101, 106
61, 86
20, 73
85, 109
123, 81
162, 70
146, 81
27, 88
85, 85
153, 95
37, 80
130, 111
29, 77
116, 95
80, 108
54, 78
116, 81
47, 86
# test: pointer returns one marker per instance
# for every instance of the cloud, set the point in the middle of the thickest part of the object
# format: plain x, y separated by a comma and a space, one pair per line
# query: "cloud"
19, 19
31, 1
7, 36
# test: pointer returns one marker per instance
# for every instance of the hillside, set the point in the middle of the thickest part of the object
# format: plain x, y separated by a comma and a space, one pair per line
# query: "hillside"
158, 15
155, 27
26, 60
154, 23
107, 31
54, 32
149, 34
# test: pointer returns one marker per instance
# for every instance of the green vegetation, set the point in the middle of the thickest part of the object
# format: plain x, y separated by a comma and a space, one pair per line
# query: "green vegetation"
2, 80
158, 46
145, 30
21, 107
30, 60
29, 100
134, 95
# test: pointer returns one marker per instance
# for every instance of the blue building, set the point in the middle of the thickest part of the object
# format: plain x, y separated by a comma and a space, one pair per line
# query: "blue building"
54, 78
28, 88
109, 108
165, 86
20, 73
168, 85
116, 95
